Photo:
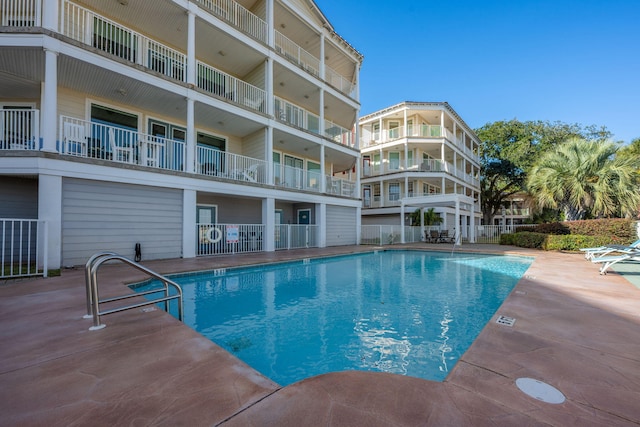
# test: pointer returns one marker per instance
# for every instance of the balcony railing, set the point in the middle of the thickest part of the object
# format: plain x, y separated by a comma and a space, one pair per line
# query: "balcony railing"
224, 85
299, 117
19, 129
341, 187
294, 53
20, 13
92, 29
296, 116
338, 134
213, 162
339, 82
430, 165
238, 16
98, 141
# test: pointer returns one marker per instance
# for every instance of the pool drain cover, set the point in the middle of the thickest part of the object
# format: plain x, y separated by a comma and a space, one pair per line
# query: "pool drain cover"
539, 390
504, 320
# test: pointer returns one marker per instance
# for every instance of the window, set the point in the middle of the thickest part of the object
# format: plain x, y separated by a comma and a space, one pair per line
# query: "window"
114, 40
313, 175
376, 131
394, 160
366, 196
210, 153
394, 191
394, 130
410, 188
376, 192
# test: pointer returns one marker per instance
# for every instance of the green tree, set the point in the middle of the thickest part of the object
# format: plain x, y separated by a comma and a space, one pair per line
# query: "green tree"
586, 179
430, 217
508, 150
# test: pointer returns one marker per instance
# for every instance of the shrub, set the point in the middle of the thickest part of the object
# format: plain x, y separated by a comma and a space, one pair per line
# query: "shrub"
524, 239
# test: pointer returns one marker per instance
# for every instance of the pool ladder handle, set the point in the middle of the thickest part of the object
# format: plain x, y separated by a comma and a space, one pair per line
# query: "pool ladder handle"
93, 300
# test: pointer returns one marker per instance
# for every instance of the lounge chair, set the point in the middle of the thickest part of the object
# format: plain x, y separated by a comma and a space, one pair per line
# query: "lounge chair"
445, 238
600, 251
608, 261
431, 236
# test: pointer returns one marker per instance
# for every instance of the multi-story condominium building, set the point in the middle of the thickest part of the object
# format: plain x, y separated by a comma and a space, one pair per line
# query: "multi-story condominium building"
419, 155
187, 126
516, 210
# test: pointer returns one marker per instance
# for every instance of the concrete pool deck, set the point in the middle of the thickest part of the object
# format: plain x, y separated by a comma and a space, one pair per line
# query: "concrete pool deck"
575, 330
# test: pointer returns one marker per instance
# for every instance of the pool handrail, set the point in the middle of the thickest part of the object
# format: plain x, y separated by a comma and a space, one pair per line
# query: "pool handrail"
93, 300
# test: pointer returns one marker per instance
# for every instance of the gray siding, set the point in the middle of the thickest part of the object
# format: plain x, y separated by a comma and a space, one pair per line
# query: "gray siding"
18, 198
99, 216
341, 226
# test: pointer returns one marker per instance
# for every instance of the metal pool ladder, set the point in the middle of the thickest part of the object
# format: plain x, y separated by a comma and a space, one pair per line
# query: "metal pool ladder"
93, 300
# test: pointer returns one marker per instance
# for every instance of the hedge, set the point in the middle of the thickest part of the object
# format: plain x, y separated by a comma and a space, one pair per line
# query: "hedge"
573, 235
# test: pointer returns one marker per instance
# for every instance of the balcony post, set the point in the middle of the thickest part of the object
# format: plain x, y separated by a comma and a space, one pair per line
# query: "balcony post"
49, 97
190, 145
50, 12
191, 45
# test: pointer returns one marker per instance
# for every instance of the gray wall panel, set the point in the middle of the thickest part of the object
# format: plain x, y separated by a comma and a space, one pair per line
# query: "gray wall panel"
341, 225
102, 216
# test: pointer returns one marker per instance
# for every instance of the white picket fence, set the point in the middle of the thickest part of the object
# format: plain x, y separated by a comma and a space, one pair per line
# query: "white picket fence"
23, 248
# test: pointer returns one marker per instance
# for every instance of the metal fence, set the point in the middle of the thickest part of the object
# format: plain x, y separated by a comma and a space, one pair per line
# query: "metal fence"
215, 239
23, 248
392, 234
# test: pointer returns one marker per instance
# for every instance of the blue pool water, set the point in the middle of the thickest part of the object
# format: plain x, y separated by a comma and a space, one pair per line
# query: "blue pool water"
405, 312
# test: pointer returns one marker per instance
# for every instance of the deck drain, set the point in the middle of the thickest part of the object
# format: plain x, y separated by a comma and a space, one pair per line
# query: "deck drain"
148, 309
539, 390
507, 321
521, 292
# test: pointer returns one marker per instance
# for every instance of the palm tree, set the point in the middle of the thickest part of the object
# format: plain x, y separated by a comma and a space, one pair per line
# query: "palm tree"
586, 178
430, 217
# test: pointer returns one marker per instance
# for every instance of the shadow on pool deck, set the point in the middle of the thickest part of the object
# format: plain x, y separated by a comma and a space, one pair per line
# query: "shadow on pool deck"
574, 329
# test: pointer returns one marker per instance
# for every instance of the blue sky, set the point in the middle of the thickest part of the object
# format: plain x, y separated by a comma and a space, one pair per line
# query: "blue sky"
574, 61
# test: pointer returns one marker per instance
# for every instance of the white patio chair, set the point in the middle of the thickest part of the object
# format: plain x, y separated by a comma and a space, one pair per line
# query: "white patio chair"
75, 140
121, 153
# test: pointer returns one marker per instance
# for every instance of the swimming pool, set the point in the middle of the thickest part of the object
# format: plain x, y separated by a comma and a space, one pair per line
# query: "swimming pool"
405, 312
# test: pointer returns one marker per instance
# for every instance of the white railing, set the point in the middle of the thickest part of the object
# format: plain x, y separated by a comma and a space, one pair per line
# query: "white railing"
20, 13
296, 236
216, 239
298, 178
233, 89
98, 141
338, 134
19, 129
428, 165
294, 115
294, 53
336, 80
380, 234
95, 30
238, 16
23, 248
341, 187
221, 164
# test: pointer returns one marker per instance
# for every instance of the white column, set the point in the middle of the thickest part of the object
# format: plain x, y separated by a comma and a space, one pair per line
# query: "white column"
191, 44
322, 54
269, 221
189, 243
402, 222
50, 210
321, 109
268, 78
269, 154
358, 224
270, 22
50, 12
457, 223
321, 221
190, 143
472, 224
323, 179
49, 98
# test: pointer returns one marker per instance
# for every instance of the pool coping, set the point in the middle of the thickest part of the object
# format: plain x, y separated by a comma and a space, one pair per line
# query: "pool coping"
575, 330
